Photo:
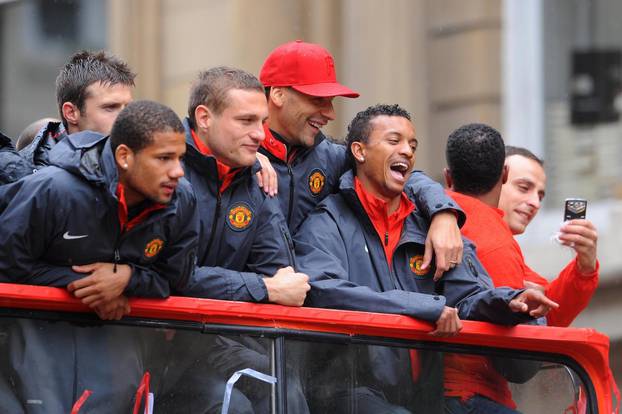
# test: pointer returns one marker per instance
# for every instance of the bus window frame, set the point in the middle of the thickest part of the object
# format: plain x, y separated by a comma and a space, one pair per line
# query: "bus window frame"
588, 355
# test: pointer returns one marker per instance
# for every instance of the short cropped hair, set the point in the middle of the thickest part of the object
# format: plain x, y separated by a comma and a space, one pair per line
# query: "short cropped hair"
212, 86
523, 152
475, 156
360, 127
139, 121
85, 68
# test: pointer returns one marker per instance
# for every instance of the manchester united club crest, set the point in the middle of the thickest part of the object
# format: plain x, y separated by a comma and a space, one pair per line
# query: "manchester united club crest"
317, 179
153, 248
415, 263
240, 217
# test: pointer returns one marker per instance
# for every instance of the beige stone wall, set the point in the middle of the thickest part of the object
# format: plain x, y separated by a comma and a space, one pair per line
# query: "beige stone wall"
439, 59
464, 58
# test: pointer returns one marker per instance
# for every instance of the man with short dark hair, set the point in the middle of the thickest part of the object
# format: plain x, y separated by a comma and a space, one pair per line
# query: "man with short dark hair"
363, 248
91, 89
476, 172
136, 176
301, 84
245, 250
110, 218
520, 199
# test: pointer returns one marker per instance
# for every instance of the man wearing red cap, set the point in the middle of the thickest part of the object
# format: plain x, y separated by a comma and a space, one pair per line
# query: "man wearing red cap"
301, 84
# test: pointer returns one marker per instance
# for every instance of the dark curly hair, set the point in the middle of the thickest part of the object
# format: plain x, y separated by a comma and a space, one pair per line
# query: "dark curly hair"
139, 121
475, 156
360, 127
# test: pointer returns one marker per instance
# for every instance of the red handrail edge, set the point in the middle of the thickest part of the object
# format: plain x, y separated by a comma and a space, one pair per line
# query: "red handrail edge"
586, 346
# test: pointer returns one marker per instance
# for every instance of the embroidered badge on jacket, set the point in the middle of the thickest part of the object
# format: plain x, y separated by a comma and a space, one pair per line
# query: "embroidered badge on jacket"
415, 263
153, 248
317, 179
240, 217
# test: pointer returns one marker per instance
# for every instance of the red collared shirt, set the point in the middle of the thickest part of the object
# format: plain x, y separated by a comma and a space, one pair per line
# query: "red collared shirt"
388, 226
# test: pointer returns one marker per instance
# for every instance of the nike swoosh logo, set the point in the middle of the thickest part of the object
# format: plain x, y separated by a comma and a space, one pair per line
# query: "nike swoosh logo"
68, 236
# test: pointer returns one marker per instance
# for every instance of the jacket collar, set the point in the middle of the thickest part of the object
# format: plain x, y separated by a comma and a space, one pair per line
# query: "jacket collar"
278, 147
415, 226
54, 129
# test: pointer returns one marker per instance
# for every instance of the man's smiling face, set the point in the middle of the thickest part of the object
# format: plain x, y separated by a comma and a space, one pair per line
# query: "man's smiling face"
389, 156
522, 194
302, 116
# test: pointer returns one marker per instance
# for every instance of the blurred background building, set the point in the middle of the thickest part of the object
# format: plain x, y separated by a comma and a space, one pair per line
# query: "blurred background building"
545, 73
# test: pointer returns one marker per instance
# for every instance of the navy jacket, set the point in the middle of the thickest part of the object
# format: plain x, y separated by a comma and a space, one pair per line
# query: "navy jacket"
67, 214
12, 165
307, 175
37, 153
243, 235
338, 247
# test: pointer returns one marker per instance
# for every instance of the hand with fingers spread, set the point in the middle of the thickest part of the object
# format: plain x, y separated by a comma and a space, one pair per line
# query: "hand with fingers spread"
448, 324
113, 310
102, 285
534, 302
267, 178
287, 287
444, 242
582, 236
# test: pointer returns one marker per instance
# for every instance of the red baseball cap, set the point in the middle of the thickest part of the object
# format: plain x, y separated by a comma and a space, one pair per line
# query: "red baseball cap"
306, 67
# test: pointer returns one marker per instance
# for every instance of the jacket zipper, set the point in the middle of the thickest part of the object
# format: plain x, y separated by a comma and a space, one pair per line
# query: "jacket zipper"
290, 246
216, 216
291, 195
121, 236
117, 258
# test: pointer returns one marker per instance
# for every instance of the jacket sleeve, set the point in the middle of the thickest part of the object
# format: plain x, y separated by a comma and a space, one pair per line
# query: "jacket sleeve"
430, 197
26, 222
176, 263
12, 165
321, 253
469, 288
571, 290
220, 283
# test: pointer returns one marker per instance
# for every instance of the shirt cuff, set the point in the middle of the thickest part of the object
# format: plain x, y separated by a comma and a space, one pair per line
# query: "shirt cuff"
589, 275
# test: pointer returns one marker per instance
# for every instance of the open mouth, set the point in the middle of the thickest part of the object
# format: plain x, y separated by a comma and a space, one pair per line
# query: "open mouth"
399, 170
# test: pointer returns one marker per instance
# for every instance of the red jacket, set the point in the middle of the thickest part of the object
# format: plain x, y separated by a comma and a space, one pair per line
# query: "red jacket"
503, 259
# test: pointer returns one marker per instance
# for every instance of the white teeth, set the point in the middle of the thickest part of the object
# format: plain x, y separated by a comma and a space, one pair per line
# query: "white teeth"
401, 166
313, 124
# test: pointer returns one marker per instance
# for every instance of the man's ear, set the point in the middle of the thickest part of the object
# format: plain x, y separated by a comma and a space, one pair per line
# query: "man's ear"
71, 113
202, 117
277, 96
358, 151
124, 156
504, 174
449, 182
